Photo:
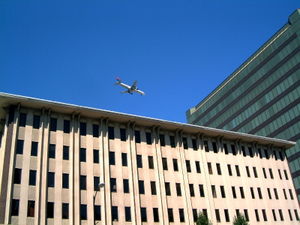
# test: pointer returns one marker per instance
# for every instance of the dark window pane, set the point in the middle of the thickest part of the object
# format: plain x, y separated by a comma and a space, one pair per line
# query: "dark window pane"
153, 187
137, 135
291, 194
246, 214
170, 215
148, 138
15, 207
123, 134
233, 150
184, 142
168, 188
82, 155
178, 189
30, 208
125, 185
198, 169
227, 218
96, 155
66, 152
51, 179
192, 192
50, 209
51, 153
181, 215
112, 158
141, 187
218, 218
188, 166
194, 143
237, 169
67, 126
271, 173
96, 183
22, 121
222, 189
210, 171
20, 146
95, 130
36, 122
111, 133
83, 212
225, 149
172, 141
113, 185
242, 192
165, 163
229, 170
264, 172
83, 182
32, 177
143, 214
53, 124
286, 175
264, 215
65, 210
124, 159
250, 152
219, 171
162, 140
256, 215
150, 162
17, 176
266, 153
139, 161
155, 215
34, 148
65, 180
248, 171
215, 147
97, 212
127, 214
281, 215
206, 146
83, 129
195, 215
233, 192
213, 191
114, 213
201, 190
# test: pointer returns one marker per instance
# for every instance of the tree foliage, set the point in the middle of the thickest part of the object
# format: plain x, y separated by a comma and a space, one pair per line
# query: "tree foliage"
240, 220
203, 220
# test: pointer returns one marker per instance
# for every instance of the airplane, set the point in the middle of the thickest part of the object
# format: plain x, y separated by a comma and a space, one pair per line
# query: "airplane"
130, 89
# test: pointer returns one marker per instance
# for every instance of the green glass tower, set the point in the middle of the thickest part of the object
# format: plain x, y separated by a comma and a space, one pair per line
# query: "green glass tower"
262, 96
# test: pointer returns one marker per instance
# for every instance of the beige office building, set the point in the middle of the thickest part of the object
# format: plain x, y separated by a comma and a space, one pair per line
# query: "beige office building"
53, 156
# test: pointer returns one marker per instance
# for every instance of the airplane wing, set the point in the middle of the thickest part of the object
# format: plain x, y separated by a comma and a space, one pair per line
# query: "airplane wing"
140, 92
124, 85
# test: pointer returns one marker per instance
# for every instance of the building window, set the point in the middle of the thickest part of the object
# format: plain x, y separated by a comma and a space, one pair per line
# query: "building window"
96, 155
242, 192
164, 163
233, 192
222, 189
210, 171
50, 209
83, 129
111, 133
275, 155
150, 162
246, 214
125, 185
15, 207
284, 193
279, 173
53, 124
137, 135
269, 193
20, 146
143, 214
153, 187
237, 169
296, 214
233, 150
168, 188
264, 172
255, 172
96, 183
124, 159
17, 176
244, 151
162, 140
266, 153
51, 179
172, 142
141, 187
65, 210
51, 153
227, 218
259, 153
36, 122
82, 155
170, 215
274, 214
83, 182
113, 185
114, 213
123, 134
264, 215
195, 215
229, 170
225, 149
281, 155
201, 190
83, 212
194, 144
204, 211
256, 215
290, 215
184, 142
198, 169
213, 191
219, 171
291, 194
217, 213
30, 208
34, 148
95, 130
155, 215
97, 212
65, 180
22, 120
271, 173
206, 146
275, 193
286, 175
252, 193
112, 158
66, 152
32, 177
250, 152
178, 189
67, 126
281, 215
148, 138
215, 148
175, 165
259, 193
139, 161
247, 171
181, 215
127, 214
188, 166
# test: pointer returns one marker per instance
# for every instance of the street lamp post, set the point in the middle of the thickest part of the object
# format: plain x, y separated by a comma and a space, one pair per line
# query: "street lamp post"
100, 185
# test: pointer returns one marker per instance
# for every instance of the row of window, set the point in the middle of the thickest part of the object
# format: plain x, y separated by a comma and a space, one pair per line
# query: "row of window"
123, 136
115, 217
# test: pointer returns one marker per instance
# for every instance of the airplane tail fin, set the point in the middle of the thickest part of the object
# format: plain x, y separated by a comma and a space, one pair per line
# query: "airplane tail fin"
118, 79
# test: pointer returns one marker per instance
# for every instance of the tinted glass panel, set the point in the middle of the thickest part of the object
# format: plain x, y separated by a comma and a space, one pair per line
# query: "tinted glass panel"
36, 122
34, 148
66, 126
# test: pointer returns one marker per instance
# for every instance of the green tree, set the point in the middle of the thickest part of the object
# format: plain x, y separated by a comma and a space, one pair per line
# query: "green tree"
240, 220
203, 220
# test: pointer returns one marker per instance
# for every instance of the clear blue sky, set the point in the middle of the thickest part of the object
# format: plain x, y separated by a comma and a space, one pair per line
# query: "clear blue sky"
179, 51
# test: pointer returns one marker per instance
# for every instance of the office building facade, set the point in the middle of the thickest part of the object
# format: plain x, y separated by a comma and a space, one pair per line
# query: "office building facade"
53, 156
263, 95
